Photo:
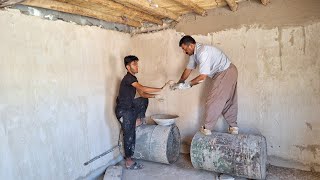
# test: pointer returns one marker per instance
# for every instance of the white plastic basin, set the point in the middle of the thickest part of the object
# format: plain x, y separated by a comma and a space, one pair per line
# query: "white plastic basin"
164, 119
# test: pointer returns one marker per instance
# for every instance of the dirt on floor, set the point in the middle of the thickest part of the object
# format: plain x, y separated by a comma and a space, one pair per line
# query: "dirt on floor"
183, 170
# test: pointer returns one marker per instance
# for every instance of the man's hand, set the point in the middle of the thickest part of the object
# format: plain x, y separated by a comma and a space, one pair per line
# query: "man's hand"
181, 86
186, 85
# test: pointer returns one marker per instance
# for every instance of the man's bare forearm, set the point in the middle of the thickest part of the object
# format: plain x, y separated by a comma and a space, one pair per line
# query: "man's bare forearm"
147, 89
147, 95
198, 79
186, 73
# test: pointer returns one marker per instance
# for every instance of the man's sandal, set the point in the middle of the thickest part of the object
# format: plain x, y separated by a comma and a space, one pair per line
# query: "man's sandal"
135, 166
205, 131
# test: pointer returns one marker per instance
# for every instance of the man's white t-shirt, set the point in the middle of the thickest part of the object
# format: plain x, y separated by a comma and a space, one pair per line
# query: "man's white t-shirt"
210, 60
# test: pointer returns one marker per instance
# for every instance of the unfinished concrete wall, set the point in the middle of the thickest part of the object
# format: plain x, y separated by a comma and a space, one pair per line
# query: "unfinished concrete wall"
58, 84
278, 86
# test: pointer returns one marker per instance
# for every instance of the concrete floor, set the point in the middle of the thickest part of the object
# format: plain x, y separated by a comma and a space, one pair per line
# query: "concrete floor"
183, 170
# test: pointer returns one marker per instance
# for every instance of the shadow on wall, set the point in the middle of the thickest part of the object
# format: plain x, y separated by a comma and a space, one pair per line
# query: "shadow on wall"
112, 83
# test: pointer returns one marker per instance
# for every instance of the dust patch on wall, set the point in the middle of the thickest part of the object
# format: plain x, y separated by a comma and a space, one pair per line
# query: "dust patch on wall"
277, 13
309, 125
314, 149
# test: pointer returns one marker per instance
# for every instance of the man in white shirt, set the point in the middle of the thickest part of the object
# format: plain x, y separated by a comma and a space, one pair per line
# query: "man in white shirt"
222, 97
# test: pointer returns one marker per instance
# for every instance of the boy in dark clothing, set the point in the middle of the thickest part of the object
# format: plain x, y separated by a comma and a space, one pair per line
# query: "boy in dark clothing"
130, 110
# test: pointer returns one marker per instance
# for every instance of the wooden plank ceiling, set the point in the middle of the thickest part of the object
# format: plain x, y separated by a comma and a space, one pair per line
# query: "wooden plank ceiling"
130, 12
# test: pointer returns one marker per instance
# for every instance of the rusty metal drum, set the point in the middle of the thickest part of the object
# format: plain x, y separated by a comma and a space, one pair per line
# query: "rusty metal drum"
242, 155
157, 143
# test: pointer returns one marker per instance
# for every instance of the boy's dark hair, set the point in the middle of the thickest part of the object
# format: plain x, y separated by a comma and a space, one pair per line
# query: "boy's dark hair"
128, 59
186, 40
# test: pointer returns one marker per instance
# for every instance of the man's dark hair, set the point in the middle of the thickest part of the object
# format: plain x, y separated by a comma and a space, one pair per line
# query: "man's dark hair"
128, 59
186, 40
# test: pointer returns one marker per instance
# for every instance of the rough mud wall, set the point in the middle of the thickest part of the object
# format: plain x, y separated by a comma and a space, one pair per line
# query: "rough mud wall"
278, 86
58, 84
276, 13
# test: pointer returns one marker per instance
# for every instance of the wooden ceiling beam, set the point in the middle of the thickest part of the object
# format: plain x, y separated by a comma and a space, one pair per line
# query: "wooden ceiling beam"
139, 9
212, 5
265, 2
148, 7
194, 7
129, 13
72, 9
232, 4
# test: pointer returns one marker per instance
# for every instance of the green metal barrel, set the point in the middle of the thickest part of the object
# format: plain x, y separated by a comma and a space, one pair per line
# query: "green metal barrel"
242, 155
